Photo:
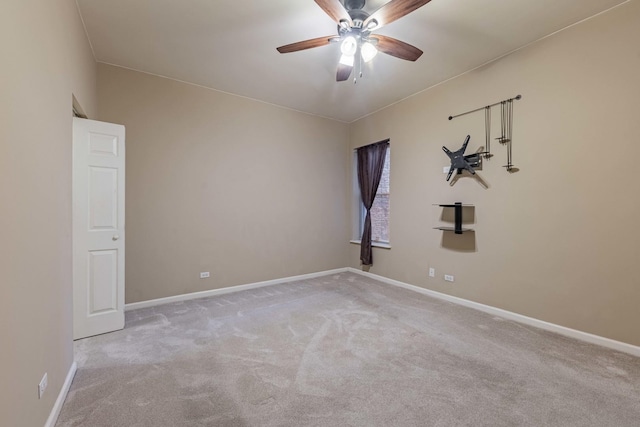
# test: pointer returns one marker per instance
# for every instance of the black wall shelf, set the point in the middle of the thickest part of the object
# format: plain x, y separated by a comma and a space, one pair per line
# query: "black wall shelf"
458, 217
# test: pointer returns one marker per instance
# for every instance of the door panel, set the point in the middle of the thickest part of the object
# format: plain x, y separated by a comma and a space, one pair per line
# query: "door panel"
98, 227
103, 281
103, 198
103, 145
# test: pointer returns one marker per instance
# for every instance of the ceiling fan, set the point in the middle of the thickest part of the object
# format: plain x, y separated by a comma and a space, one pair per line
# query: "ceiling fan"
354, 32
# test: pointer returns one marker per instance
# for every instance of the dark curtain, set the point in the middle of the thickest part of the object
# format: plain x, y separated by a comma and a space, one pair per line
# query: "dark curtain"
370, 166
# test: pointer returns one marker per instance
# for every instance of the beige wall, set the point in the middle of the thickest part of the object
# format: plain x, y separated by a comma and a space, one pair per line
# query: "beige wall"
558, 240
45, 59
220, 183
253, 192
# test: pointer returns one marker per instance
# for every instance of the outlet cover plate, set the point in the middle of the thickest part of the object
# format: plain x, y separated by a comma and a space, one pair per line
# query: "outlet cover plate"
432, 272
448, 278
204, 274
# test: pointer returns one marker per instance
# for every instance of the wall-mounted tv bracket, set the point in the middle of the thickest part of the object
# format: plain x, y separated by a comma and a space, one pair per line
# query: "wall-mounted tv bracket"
506, 128
461, 162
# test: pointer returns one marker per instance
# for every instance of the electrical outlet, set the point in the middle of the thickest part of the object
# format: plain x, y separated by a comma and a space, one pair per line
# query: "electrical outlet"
204, 274
445, 169
43, 385
448, 278
432, 272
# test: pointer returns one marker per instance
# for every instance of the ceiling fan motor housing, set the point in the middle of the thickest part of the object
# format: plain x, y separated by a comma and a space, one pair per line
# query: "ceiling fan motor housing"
358, 16
353, 4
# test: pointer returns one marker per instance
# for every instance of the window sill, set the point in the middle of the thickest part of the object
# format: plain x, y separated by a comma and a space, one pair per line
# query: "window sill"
374, 244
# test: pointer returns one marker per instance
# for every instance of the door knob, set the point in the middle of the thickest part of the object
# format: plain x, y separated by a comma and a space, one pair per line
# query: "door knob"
115, 237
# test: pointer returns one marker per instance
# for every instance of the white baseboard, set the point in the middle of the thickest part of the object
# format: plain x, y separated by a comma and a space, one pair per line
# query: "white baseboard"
57, 407
221, 291
562, 330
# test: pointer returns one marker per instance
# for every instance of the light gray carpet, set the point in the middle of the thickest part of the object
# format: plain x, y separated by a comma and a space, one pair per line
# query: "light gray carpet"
343, 350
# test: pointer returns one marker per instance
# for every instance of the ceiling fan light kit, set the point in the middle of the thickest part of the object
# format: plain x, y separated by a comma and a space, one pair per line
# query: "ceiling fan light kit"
354, 32
347, 60
368, 51
349, 46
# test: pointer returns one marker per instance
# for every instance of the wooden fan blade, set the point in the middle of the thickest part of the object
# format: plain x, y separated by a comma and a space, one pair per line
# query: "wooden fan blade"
343, 73
307, 44
335, 10
397, 48
393, 10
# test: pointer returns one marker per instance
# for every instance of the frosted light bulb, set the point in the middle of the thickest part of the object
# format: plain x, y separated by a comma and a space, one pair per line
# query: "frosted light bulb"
349, 46
368, 52
347, 60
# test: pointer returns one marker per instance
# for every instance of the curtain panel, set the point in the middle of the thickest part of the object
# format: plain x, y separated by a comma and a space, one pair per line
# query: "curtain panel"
370, 166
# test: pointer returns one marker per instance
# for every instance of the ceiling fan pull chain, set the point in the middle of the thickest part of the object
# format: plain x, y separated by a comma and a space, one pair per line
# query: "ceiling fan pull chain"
359, 65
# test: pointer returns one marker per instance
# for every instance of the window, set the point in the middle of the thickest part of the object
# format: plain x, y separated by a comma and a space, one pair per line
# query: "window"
380, 208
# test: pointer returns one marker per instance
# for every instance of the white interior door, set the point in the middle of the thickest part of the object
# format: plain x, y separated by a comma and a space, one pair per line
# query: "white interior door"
98, 227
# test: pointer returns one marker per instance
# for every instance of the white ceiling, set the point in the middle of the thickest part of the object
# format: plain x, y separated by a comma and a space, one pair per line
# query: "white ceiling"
230, 45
